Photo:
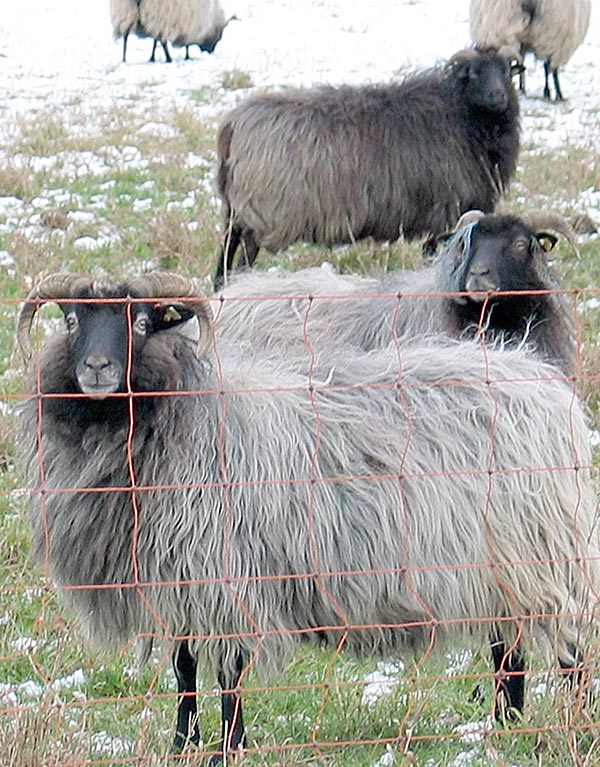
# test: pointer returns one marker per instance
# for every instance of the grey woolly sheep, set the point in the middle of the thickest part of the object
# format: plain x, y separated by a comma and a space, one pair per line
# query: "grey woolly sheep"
234, 507
335, 165
180, 22
491, 280
483, 284
551, 29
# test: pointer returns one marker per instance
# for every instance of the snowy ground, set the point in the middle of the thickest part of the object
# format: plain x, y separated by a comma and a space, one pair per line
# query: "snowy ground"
58, 53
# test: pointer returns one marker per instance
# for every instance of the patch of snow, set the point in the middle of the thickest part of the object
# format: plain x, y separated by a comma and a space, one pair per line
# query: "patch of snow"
75, 681
458, 662
24, 644
474, 732
380, 682
588, 304
145, 203
6, 259
385, 760
104, 743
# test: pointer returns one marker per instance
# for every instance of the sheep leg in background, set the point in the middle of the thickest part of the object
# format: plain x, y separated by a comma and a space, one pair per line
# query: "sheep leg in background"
510, 679
557, 91
233, 735
233, 237
165, 48
522, 74
125, 36
185, 667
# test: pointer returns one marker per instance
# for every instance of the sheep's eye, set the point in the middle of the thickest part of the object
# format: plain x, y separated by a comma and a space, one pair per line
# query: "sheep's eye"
521, 245
72, 322
141, 325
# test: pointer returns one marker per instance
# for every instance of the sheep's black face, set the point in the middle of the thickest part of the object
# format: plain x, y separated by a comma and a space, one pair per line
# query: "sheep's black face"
487, 83
103, 337
502, 257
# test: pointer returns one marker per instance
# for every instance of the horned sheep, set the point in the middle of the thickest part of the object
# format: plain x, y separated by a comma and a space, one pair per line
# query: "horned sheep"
233, 506
334, 165
491, 280
551, 29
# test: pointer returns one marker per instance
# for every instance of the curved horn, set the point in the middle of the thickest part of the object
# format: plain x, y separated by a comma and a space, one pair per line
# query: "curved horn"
550, 219
460, 57
166, 285
54, 287
469, 217
160, 284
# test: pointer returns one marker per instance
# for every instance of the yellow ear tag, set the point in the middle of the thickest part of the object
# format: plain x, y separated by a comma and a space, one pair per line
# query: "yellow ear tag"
171, 315
546, 244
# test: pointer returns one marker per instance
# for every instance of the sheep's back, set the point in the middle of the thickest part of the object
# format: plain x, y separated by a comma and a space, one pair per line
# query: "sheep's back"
339, 164
181, 22
557, 29
308, 311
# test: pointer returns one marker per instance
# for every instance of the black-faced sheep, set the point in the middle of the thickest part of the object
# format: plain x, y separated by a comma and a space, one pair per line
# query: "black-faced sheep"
335, 165
180, 22
235, 507
492, 279
551, 29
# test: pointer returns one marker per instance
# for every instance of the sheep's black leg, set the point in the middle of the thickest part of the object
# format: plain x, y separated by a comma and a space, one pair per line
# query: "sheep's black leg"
230, 245
233, 735
185, 667
510, 679
557, 91
522, 72
125, 36
165, 48
153, 54
233, 237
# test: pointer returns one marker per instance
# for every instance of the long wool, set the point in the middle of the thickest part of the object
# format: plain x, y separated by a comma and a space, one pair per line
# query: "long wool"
323, 502
124, 16
312, 309
553, 31
331, 165
181, 22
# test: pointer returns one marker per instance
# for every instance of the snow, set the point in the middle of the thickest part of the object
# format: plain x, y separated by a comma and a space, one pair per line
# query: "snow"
55, 53
381, 682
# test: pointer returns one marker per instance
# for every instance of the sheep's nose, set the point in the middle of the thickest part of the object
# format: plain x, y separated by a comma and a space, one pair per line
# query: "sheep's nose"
479, 270
96, 362
497, 99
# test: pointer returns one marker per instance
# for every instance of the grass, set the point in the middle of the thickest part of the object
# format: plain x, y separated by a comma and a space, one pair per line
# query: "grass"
314, 715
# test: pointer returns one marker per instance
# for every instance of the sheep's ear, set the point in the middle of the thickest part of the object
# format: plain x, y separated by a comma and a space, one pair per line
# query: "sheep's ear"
516, 69
171, 315
177, 314
546, 240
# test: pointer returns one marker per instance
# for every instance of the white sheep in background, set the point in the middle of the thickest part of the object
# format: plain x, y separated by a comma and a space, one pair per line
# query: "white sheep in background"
551, 29
179, 22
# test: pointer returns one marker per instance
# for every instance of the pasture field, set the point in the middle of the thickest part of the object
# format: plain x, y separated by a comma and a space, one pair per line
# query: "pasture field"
117, 199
